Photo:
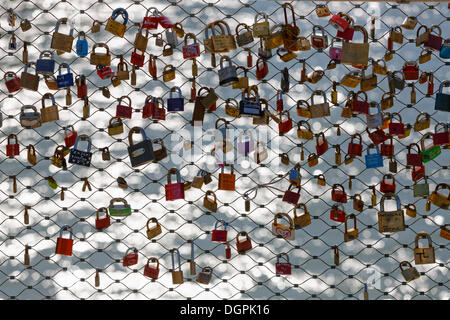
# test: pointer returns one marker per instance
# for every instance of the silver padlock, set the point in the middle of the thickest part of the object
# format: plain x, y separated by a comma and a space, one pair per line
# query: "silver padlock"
205, 275
410, 273
171, 37
227, 75
395, 81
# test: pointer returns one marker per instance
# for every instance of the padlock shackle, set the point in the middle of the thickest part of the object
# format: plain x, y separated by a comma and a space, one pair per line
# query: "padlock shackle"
224, 224
63, 21
412, 145
102, 209
405, 264
444, 84
245, 26
153, 259
210, 192
423, 235
136, 130
244, 234
317, 93
69, 126
427, 135
300, 205
11, 136
115, 119
285, 5
111, 202
189, 35
173, 260
173, 171
264, 15
433, 27
83, 137
388, 176
283, 216
135, 250
356, 135
372, 146
352, 216
65, 227
122, 12
383, 198
283, 254
230, 165
304, 123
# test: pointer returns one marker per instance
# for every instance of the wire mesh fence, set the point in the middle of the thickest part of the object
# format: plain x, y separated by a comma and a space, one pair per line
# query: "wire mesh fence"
373, 258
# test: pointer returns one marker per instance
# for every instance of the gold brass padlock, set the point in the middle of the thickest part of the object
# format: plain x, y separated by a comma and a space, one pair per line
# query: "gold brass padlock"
285, 159
168, 73
425, 56
411, 210
321, 180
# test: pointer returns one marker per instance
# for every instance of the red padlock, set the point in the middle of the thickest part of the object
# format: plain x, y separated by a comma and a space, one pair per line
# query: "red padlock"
249, 59
165, 22
12, 149
174, 191
411, 70
70, 137
321, 146
104, 72
441, 138
337, 214
284, 126
137, 59
191, 50
355, 149
130, 258
63, 245
360, 106
337, 194
291, 196
414, 159
151, 22
152, 66
378, 136
279, 101
347, 34
430, 86
387, 150
12, 82
261, 69
228, 251
122, 110
102, 222
434, 42
340, 21
417, 173
283, 268
396, 128
152, 271
80, 82
220, 235
147, 111
243, 245
387, 186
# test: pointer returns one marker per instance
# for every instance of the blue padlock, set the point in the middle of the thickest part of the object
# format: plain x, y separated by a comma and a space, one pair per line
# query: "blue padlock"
64, 80
373, 160
45, 65
442, 102
250, 105
175, 104
445, 49
82, 45
294, 175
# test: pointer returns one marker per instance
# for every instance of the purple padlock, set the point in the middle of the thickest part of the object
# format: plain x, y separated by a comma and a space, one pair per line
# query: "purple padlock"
336, 51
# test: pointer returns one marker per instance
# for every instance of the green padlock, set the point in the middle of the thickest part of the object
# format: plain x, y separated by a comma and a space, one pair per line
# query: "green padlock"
52, 183
121, 210
430, 152
422, 189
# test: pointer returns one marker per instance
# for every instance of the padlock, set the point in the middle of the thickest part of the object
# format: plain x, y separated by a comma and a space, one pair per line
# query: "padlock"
104, 72
260, 153
409, 23
285, 231
319, 39
152, 271
12, 82
441, 138
374, 120
444, 53
25, 25
243, 38
283, 268
251, 105
219, 235
434, 42
337, 155
168, 73
338, 195
285, 159
322, 10
31, 154
425, 56
142, 152
151, 22
95, 26
423, 255
313, 160
373, 160
242, 246
350, 234
358, 203
137, 59
227, 74
64, 80
445, 232
123, 110
30, 119
121, 210
338, 21
28, 80
319, 110
355, 149
368, 82
106, 155
227, 180
80, 157
337, 213
410, 70
315, 76
351, 79
12, 45
261, 29
418, 172
321, 180
49, 114
262, 69
159, 150
306, 133
387, 150
410, 273
387, 186
159, 110
242, 82
191, 50
171, 37
422, 124
284, 126
294, 175
117, 28
115, 126
209, 204
141, 40
63, 245
321, 145
396, 128
130, 259
12, 147
70, 137
302, 220
356, 54
438, 199
442, 102
411, 210
430, 151
421, 189
360, 106
205, 275
149, 105
80, 81
62, 42
174, 191
395, 81
154, 230
82, 45
291, 196
336, 50
177, 275
391, 221
378, 136
102, 222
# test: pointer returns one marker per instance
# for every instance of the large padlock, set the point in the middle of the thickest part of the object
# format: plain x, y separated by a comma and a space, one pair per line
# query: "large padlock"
410, 70
422, 122
80, 157
227, 180
123, 110
31, 154
413, 159
142, 152
219, 235
121, 210
45, 65
100, 58
245, 245
205, 275
319, 40
130, 259
115, 27
355, 149
304, 133
285, 231
423, 255
442, 102
434, 42
227, 74
102, 222
151, 22
152, 271
356, 53
210, 204
49, 114
391, 221
409, 272
360, 106
302, 220
30, 119
155, 230
350, 234
439, 199
63, 245
191, 50
174, 191
177, 275
261, 29
283, 268
62, 42
64, 80
243, 38
396, 128
337, 213
373, 160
